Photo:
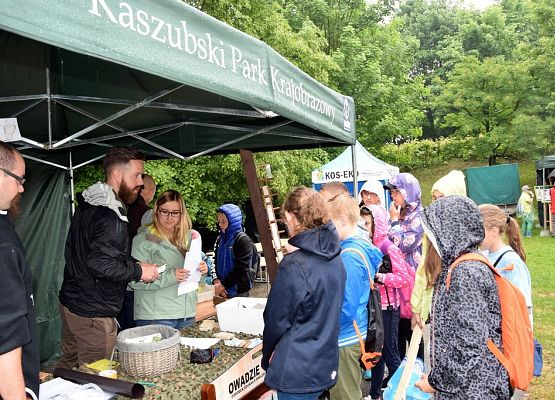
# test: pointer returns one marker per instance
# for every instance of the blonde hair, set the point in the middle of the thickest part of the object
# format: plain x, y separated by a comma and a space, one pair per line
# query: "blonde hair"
307, 206
344, 205
180, 236
495, 217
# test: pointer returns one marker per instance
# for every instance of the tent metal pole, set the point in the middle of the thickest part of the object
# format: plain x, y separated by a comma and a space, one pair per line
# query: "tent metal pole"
355, 169
87, 114
244, 137
49, 104
7, 99
114, 116
88, 162
170, 106
71, 185
26, 108
159, 147
32, 142
312, 138
123, 134
44, 162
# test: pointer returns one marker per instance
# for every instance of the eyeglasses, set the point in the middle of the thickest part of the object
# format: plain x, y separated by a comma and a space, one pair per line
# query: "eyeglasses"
18, 178
167, 213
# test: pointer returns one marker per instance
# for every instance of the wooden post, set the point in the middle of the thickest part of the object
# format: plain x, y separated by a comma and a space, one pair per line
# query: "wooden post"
262, 223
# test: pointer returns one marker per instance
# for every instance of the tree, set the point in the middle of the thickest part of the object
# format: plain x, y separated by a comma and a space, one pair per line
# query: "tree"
489, 100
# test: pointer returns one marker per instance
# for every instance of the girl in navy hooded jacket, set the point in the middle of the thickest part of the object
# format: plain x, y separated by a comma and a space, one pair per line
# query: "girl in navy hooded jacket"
301, 319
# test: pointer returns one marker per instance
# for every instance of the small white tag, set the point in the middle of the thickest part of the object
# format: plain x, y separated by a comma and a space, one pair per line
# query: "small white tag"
333, 374
161, 268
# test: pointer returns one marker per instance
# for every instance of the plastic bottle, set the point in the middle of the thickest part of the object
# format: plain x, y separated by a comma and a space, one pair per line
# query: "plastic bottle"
413, 393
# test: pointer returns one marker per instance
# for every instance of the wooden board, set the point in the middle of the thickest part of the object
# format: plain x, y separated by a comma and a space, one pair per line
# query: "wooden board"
205, 309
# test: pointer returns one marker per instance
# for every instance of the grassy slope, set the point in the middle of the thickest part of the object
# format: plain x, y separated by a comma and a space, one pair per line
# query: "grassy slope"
541, 262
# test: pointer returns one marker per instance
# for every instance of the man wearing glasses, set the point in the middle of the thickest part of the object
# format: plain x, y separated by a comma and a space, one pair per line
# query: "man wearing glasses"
98, 265
19, 355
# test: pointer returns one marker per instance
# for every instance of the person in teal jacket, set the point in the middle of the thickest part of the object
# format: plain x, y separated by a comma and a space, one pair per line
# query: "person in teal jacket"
166, 241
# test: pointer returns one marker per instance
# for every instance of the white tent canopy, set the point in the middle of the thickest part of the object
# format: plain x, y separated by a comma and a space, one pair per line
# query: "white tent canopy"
341, 169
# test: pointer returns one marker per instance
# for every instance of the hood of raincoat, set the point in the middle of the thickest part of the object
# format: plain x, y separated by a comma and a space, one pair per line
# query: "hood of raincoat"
451, 184
381, 223
409, 187
102, 194
322, 241
454, 225
372, 186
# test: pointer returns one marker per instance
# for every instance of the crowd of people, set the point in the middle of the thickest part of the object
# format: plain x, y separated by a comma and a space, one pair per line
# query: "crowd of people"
112, 278
340, 246
405, 251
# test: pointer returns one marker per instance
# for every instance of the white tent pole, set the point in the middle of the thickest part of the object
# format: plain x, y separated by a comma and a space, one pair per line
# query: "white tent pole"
49, 106
355, 169
71, 188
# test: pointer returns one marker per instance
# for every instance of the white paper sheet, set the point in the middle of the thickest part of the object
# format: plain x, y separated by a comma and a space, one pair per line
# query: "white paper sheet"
199, 343
192, 260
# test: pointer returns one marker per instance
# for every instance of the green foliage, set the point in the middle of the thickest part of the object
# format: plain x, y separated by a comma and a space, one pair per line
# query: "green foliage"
208, 182
490, 100
419, 154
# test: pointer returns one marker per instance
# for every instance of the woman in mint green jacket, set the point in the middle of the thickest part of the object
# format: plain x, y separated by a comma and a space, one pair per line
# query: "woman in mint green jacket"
166, 241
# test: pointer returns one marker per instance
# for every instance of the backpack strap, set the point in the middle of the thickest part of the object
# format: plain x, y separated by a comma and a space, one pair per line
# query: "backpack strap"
361, 255
469, 257
501, 256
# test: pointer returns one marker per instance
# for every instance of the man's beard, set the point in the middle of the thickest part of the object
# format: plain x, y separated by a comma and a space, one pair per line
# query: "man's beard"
13, 211
128, 194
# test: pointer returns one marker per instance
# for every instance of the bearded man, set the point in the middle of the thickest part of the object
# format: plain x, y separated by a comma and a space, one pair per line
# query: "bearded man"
98, 266
19, 347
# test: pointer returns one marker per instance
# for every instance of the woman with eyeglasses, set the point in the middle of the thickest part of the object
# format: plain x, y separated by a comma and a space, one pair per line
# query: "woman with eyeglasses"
166, 241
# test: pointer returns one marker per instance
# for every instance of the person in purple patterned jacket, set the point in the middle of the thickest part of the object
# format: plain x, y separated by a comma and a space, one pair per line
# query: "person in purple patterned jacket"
406, 232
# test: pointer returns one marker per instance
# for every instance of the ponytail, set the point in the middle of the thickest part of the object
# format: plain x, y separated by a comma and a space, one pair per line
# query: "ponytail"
495, 217
513, 237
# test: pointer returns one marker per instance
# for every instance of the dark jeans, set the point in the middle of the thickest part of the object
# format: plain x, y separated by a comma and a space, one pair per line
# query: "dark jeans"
179, 323
125, 317
405, 334
390, 353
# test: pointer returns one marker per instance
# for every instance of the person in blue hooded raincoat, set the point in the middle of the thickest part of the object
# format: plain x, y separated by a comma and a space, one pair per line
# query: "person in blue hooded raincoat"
233, 254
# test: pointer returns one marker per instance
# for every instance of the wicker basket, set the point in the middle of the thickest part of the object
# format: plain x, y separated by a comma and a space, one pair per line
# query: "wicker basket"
148, 359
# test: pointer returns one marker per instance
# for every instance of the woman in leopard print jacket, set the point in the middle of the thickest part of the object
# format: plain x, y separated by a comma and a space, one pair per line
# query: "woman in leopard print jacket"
466, 315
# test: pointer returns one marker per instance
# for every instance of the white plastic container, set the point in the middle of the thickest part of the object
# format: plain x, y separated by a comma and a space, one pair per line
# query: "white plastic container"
242, 314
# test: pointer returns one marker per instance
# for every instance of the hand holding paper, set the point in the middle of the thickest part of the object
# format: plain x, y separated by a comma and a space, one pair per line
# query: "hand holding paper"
192, 260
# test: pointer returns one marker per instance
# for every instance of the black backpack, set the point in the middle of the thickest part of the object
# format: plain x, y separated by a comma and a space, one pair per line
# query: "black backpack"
371, 348
254, 269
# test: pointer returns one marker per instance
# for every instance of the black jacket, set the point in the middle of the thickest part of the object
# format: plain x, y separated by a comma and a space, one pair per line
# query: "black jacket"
18, 326
98, 266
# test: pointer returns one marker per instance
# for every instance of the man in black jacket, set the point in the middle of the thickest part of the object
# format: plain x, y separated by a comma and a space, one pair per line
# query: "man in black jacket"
98, 266
19, 352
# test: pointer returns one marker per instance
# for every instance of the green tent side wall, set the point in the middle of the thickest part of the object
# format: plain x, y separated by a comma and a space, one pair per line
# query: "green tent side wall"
496, 184
43, 225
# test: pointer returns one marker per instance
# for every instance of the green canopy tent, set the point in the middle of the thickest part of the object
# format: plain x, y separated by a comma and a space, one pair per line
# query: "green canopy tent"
82, 76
